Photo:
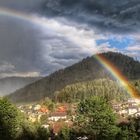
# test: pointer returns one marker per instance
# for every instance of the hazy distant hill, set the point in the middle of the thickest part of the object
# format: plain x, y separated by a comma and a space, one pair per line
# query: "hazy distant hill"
87, 69
11, 84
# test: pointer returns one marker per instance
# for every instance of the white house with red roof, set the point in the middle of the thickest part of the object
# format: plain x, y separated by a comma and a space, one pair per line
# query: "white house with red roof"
57, 116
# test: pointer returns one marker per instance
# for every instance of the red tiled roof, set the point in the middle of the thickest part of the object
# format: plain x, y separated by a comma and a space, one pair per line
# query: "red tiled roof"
61, 109
44, 110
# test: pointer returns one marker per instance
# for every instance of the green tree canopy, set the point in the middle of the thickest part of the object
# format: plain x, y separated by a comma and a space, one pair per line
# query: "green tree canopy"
64, 134
10, 120
105, 88
129, 130
49, 104
95, 118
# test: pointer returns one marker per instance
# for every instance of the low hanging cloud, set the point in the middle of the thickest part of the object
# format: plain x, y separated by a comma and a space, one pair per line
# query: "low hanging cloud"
134, 48
133, 54
19, 74
133, 51
5, 66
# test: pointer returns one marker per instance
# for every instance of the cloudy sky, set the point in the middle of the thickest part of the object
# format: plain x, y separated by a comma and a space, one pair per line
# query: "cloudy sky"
38, 37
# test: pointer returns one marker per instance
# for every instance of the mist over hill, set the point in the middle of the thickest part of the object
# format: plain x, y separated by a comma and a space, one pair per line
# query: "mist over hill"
86, 70
11, 84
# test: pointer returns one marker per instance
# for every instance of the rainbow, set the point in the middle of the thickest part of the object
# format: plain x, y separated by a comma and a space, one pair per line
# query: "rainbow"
104, 61
118, 75
15, 14
21, 16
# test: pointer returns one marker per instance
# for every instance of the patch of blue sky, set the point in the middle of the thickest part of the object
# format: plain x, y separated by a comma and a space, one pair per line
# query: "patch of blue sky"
117, 42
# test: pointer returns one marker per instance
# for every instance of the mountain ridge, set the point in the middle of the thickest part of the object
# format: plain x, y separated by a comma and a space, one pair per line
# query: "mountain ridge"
86, 70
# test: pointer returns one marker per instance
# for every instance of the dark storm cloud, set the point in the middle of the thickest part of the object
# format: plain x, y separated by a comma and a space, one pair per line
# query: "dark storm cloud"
105, 14
28, 49
25, 5
19, 45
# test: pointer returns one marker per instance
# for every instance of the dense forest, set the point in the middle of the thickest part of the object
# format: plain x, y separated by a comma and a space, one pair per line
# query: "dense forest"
103, 87
86, 70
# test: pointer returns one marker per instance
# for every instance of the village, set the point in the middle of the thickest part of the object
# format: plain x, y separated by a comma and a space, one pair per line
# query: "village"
129, 108
63, 114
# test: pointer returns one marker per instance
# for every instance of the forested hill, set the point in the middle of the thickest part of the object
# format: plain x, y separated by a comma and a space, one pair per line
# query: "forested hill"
86, 70
105, 88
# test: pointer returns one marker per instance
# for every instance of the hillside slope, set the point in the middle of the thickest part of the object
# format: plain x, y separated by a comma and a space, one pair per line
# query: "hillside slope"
86, 70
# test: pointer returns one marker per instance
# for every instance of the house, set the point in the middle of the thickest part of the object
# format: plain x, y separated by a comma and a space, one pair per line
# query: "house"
57, 116
134, 102
132, 110
137, 114
82, 138
61, 109
32, 118
45, 126
37, 107
129, 111
43, 110
116, 107
123, 112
